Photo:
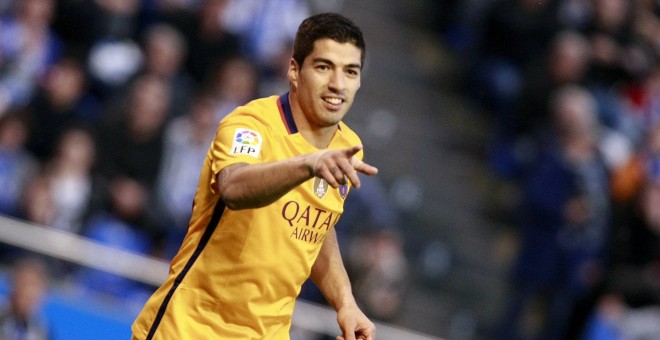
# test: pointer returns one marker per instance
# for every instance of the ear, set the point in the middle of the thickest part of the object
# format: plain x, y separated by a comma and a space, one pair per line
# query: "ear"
293, 72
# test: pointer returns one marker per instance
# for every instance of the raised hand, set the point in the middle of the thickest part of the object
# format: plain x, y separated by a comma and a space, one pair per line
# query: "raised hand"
336, 166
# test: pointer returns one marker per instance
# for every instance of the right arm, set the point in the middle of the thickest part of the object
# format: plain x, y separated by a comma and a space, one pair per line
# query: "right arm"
245, 186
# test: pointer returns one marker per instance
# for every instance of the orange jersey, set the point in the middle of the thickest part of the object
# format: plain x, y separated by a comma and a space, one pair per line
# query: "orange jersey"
238, 272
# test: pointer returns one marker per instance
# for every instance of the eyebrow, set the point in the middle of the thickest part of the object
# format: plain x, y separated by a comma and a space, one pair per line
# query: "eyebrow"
329, 62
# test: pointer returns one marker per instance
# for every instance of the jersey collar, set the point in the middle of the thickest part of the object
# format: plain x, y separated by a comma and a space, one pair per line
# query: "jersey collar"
286, 114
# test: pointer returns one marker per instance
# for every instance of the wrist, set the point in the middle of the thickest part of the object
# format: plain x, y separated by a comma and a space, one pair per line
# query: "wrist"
309, 162
347, 300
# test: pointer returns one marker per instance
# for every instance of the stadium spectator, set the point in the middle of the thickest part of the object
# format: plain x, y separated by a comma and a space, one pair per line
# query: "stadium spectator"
131, 143
71, 179
514, 34
233, 83
610, 34
62, 100
615, 319
130, 147
565, 218
379, 271
210, 42
28, 47
17, 164
629, 306
266, 29
21, 318
165, 53
651, 198
646, 22
178, 13
114, 55
641, 101
120, 224
186, 144
618, 57
37, 204
566, 63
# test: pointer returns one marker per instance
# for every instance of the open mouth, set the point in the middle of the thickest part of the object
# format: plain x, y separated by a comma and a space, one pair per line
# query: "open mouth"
333, 101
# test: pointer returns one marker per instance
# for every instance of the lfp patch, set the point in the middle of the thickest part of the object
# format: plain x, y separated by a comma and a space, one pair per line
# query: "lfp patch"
246, 142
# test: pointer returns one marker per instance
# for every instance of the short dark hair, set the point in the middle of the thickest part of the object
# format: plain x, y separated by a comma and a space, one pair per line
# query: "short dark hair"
326, 26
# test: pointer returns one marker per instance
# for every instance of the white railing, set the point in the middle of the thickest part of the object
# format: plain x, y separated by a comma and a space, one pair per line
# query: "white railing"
153, 271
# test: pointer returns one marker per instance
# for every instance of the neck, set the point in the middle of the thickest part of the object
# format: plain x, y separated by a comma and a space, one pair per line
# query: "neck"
318, 136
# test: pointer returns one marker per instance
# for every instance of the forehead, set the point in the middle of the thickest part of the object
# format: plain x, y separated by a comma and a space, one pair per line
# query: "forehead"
335, 52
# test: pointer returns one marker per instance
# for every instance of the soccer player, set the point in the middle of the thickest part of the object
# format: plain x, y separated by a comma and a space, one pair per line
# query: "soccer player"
271, 189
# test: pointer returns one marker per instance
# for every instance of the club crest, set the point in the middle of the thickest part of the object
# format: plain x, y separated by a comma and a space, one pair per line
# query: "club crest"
343, 191
320, 187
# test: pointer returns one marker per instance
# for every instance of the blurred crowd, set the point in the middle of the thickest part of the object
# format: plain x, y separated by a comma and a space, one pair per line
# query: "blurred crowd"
572, 91
107, 110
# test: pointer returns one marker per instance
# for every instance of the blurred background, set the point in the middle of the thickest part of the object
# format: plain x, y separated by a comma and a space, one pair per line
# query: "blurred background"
518, 143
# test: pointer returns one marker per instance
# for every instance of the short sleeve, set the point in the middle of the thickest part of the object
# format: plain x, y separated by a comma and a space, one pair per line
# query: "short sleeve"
239, 139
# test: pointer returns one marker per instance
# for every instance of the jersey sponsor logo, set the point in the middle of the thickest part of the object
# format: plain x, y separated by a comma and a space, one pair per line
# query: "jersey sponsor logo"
246, 142
308, 224
320, 187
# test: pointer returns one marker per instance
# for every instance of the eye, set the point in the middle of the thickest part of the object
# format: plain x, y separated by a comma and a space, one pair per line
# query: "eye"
322, 67
352, 73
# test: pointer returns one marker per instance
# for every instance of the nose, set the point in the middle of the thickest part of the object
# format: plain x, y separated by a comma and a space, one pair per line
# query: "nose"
337, 81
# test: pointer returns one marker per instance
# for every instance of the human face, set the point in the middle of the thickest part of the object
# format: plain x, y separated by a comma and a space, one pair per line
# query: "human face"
325, 85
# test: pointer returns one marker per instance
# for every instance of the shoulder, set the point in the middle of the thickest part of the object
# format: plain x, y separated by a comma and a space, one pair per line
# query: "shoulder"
262, 109
348, 134
258, 106
348, 138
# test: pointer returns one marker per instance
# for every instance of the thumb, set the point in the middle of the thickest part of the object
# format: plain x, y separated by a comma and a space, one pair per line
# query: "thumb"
347, 336
350, 152
348, 332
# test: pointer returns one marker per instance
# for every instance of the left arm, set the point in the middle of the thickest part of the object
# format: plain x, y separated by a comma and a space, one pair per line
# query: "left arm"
330, 276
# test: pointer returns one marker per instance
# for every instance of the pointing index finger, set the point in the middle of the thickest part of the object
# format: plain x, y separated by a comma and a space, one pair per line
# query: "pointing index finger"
364, 168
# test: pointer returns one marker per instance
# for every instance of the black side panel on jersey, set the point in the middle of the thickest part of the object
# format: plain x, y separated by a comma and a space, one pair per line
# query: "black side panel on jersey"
210, 228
